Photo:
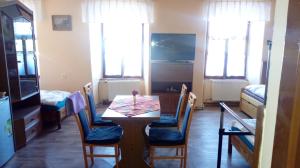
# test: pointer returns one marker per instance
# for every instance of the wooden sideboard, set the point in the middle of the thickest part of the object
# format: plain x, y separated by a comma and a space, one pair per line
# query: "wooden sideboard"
166, 82
27, 123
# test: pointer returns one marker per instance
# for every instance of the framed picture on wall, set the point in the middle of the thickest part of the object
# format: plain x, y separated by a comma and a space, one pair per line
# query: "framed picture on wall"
62, 22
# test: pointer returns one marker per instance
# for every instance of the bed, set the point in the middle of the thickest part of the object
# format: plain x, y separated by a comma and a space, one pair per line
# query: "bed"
53, 107
244, 134
251, 98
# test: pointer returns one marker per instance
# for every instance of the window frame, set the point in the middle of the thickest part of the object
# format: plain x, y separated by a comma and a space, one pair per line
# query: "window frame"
224, 76
122, 76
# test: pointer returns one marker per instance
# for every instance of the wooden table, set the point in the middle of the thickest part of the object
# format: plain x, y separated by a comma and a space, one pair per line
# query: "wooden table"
133, 140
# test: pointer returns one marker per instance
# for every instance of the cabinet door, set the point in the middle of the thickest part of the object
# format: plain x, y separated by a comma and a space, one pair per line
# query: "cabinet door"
10, 54
24, 41
24, 47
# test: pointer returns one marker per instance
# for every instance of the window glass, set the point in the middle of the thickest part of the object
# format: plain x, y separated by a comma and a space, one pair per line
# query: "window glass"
215, 58
123, 49
226, 51
236, 57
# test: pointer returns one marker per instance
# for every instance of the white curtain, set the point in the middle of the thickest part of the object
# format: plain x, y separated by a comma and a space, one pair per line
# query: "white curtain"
36, 6
232, 16
243, 10
104, 11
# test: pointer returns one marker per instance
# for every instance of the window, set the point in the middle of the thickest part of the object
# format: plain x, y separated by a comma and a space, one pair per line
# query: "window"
226, 53
122, 50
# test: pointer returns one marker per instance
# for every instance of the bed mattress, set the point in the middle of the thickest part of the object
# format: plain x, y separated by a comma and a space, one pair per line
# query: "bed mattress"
247, 139
53, 100
256, 91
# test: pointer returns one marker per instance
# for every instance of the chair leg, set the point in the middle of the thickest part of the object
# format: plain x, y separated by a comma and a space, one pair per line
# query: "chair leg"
176, 151
92, 154
181, 159
117, 155
151, 150
229, 145
85, 157
185, 156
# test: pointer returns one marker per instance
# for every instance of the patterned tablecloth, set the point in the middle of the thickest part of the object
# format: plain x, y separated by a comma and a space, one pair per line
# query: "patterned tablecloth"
144, 104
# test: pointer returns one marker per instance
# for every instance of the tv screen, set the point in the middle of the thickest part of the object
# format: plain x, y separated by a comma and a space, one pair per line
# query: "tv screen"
173, 47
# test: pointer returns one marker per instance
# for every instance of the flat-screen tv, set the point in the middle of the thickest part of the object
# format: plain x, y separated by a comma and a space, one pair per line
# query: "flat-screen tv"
173, 47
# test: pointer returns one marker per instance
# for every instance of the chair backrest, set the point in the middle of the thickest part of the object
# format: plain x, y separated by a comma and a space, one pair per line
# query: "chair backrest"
181, 102
81, 119
186, 123
89, 97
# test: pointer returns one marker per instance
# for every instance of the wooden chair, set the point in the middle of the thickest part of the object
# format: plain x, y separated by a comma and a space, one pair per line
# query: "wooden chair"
102, 136
171, 121
251, 155
95, 120
173, 138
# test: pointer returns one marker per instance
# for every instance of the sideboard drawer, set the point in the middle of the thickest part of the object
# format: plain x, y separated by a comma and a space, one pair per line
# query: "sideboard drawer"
33, 117
33, 129
27, 125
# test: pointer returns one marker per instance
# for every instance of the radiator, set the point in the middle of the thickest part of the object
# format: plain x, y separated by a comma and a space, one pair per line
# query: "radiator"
227, 90
118, 87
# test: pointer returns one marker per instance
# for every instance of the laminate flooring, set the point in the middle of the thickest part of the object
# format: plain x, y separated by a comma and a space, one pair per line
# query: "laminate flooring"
62, 148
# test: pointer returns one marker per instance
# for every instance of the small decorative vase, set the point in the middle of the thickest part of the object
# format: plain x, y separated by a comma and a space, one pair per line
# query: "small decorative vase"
134, 100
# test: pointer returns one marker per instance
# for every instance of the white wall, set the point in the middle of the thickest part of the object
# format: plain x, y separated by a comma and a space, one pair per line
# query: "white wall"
178, 16
64, 55
280, 23
229, 91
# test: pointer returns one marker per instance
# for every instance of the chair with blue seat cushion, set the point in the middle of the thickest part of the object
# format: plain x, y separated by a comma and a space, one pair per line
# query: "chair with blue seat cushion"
160, 137
173, 121
109, 136
95, 120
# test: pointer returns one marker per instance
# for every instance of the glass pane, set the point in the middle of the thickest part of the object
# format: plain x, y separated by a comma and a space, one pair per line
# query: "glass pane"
19, 45
22, 28
29, 45
215, 57
123, 49
133, 57
23, 35
20, 57
236, 57
30, 58
113, 47
21, 66
25, 55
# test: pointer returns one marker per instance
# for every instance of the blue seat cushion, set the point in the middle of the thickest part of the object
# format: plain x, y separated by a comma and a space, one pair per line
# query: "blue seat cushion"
165, 137
104, 135
244, 139
99, 122
166, 122
167, 116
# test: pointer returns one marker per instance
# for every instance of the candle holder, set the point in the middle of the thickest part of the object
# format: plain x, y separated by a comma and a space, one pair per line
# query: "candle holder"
134, 93
134, 100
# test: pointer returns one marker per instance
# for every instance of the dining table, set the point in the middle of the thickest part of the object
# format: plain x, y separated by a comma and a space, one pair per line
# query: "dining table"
133, 115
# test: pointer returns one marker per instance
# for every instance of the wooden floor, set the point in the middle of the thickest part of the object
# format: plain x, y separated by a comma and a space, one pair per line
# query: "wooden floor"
62, 148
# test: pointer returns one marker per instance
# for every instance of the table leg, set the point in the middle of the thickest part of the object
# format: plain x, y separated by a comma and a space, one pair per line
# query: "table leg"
133, 142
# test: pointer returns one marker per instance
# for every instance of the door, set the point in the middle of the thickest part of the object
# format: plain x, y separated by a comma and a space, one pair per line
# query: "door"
286, 149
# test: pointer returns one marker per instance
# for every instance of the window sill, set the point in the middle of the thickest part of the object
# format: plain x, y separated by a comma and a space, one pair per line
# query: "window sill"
217, 77
122, 79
